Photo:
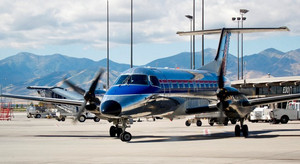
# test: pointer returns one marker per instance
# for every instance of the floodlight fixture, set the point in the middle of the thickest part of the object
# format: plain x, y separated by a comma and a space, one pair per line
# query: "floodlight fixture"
243, 11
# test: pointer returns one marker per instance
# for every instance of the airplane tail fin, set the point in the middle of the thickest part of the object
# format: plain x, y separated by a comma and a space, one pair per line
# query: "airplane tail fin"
223, 48
221, 56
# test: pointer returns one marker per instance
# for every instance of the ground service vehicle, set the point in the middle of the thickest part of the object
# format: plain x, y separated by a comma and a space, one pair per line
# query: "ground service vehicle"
88, 115
212, 118
260, 114
292, 112
38, 112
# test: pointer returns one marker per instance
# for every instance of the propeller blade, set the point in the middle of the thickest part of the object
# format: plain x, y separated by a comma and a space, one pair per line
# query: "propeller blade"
221, 75
222, 93
91, 93
221, 116
74, 87
95, 82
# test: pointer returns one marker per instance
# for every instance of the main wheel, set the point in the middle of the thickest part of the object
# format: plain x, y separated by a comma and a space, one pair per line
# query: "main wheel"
38, 116
112, 131
237, 130
63, 119
96, 119
245, 130
81, 118
125, 137
199, 123
187, 123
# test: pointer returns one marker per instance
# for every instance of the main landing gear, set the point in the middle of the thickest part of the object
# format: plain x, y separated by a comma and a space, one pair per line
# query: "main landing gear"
120, 131
243, 128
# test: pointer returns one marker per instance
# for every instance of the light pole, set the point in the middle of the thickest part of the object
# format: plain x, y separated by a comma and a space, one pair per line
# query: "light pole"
194, 35
107, 61
242, 12
131, 46
238, 46
191, 46
202, 35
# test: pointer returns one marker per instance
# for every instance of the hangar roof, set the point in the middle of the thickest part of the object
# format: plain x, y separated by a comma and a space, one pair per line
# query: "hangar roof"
264, 82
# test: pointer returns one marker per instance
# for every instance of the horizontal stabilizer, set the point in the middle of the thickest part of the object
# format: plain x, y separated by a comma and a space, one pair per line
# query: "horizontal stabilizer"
231, 30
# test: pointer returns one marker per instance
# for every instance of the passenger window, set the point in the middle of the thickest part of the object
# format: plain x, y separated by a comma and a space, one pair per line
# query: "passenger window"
191, 85
154, 81
166, 86
175, 85
180, 85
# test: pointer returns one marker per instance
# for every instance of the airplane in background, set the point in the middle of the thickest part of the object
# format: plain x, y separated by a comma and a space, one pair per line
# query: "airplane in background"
66, 110
170, 93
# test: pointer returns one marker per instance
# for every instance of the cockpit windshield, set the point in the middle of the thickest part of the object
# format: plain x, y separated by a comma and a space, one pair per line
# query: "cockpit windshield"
132, 79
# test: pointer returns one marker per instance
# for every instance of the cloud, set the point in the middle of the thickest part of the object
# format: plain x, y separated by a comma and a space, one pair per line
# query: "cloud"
36, 23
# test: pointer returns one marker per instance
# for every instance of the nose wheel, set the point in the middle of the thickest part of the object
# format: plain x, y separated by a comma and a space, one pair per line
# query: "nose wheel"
125, 137
120, 132
115, 131
243, 128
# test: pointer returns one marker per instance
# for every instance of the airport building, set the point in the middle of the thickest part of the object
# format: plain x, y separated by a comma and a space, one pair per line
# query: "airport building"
264, 87
268, 86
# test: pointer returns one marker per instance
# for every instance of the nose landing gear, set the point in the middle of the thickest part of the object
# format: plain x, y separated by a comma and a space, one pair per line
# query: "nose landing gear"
120, 132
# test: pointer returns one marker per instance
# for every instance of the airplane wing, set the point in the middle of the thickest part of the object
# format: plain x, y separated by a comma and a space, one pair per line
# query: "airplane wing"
252, 102
44, 99
202, 109
267, 100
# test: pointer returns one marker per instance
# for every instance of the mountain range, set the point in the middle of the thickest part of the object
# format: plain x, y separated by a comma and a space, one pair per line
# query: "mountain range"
27, 69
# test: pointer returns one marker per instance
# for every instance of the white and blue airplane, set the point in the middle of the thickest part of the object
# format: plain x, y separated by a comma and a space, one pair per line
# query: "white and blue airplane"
170, 93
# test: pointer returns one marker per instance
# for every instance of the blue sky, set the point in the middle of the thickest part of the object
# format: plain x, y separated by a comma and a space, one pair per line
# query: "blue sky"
78, 28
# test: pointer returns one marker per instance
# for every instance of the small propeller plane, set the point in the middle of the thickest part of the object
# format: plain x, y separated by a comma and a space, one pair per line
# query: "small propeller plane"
170, 93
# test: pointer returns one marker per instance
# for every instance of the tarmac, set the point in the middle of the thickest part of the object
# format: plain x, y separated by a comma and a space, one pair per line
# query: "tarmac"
29, 140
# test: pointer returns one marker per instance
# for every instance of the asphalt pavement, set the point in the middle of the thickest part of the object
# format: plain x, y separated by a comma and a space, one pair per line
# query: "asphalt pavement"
29, 140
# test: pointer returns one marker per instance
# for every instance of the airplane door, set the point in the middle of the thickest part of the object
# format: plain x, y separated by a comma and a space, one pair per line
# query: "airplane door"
165, 86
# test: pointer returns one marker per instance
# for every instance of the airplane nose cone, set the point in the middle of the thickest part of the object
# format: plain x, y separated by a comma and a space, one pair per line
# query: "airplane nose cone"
111, 107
